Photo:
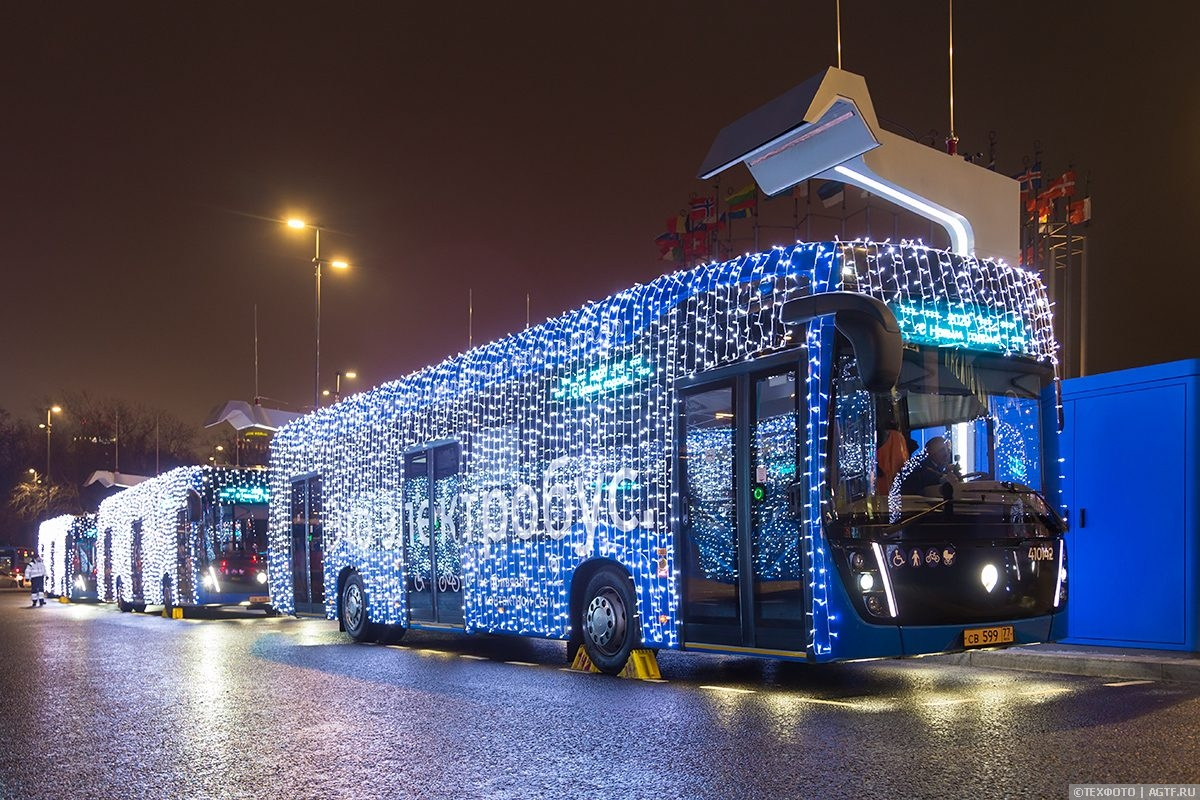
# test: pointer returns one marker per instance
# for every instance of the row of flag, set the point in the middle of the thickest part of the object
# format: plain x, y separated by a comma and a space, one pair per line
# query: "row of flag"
689, 234
1039, 203
693, 233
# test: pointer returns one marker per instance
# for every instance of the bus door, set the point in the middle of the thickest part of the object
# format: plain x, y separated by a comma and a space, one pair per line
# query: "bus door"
136, 579
108, 565
741, 540
432, 541
308, 574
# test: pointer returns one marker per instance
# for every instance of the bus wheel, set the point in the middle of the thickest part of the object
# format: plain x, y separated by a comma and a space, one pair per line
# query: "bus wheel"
123, 606
390, 634
353, 609
608, 624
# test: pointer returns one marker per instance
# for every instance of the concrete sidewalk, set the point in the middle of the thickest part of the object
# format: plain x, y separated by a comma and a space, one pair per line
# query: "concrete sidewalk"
1104, 662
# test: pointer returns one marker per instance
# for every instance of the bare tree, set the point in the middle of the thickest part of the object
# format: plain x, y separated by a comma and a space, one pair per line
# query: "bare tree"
32, 499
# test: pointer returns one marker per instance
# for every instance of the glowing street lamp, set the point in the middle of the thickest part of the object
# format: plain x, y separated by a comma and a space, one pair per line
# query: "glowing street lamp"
337, 386
47, 426
336, 394
300, 224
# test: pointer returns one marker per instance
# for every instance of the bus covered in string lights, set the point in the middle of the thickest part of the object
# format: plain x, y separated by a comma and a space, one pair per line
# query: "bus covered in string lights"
68, 547
695, 464
191, 537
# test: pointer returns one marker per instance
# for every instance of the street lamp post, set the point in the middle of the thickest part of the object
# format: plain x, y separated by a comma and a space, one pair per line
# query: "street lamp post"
49, 411
337, 385
317, 262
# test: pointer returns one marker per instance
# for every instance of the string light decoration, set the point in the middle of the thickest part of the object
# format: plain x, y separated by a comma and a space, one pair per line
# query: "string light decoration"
67, 544
164, 535
567, 434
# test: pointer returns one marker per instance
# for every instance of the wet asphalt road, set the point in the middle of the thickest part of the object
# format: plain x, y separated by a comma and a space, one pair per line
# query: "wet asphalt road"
99, 704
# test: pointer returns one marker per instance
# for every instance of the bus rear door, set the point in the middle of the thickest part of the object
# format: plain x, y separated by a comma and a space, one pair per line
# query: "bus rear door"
432, 544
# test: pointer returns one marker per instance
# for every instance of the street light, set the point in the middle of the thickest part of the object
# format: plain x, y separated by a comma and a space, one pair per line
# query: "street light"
49, 411
300, 224
337, 383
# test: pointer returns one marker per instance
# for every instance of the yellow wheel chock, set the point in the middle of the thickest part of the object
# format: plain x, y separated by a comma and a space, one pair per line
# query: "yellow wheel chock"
642, 664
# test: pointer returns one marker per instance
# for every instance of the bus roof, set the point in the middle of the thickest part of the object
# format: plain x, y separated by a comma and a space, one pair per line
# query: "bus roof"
940, 298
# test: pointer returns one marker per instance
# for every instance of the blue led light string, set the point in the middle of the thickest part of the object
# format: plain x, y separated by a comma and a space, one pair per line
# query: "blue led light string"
498, 401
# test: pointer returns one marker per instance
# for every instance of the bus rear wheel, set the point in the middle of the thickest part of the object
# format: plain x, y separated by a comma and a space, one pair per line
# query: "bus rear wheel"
609, 624
353, 610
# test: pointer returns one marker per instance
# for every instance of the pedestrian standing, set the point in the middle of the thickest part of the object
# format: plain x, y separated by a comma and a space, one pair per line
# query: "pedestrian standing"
36, 573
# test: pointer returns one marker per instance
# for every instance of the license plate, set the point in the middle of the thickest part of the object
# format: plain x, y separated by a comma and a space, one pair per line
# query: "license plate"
983, 637
256, 598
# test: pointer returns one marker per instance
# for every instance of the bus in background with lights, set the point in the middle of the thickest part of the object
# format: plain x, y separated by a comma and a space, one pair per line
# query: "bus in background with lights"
12, 565
194, 537
697, 464
68, 547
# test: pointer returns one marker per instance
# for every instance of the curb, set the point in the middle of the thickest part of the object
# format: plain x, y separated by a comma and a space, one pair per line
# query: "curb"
1182, 667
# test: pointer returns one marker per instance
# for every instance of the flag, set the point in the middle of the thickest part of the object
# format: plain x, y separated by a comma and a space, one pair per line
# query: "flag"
670, 244
669, 247
695, 245
702, 209
1079, 211
831, 193
1031, 178
1031, 181
745, 198
1063, 186
1044, 207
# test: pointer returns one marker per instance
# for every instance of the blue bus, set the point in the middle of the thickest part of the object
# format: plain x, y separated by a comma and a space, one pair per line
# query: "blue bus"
68, 547
194, 536
698, 464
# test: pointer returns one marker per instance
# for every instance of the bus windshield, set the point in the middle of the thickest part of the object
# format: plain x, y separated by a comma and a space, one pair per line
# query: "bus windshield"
984, 406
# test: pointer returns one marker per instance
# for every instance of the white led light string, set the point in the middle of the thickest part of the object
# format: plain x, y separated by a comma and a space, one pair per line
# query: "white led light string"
498, 402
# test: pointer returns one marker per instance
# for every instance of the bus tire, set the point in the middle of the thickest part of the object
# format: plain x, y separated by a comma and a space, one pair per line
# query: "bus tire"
389, 634
609, 621
123, 606
352, 606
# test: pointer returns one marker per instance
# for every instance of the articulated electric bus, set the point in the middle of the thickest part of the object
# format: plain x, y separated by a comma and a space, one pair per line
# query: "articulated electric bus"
696, 464
68, 547
194, 536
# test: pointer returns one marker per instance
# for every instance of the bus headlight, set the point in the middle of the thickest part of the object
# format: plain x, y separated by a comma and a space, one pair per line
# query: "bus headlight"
261, 577
210, 580
866, 581
989, 576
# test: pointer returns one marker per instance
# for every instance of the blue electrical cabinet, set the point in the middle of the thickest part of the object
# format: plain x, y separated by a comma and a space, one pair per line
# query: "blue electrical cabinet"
1127, 476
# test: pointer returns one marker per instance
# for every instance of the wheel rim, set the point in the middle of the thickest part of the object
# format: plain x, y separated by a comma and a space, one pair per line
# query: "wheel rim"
352, 606
604, 621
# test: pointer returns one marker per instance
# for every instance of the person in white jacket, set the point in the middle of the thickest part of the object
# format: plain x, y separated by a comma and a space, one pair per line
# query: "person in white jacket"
36, 573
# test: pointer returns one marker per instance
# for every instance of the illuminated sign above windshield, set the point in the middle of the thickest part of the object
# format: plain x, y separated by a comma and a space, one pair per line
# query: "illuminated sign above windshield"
946, 323
243, 494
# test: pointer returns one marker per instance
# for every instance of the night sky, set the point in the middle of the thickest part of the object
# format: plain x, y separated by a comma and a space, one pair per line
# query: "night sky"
508, 149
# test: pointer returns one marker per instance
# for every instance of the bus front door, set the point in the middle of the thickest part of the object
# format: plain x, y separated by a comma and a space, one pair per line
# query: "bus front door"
432, 543
741, 546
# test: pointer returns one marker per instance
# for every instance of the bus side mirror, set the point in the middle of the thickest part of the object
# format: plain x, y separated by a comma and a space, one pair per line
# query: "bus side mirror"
866, 322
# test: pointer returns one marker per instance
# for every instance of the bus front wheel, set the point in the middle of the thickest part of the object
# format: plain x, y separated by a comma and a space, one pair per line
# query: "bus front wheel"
353, 608
609, 626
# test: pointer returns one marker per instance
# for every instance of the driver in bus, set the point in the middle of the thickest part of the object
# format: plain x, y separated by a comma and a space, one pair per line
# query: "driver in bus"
934, 467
